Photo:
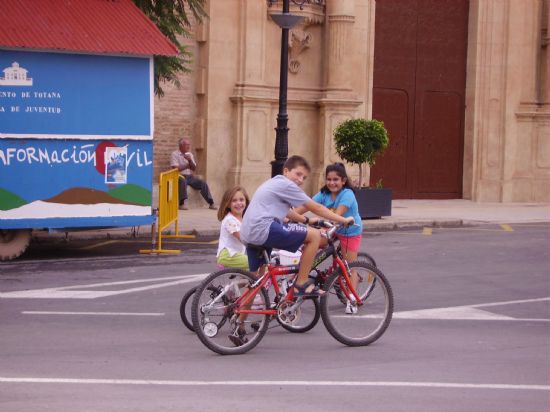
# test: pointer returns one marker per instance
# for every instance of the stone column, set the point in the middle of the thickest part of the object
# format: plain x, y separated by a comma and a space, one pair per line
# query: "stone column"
506, 149
544, 86
251, 99
339, 100
340, 20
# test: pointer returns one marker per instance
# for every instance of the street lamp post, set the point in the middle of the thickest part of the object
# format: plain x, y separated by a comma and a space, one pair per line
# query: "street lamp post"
285, 21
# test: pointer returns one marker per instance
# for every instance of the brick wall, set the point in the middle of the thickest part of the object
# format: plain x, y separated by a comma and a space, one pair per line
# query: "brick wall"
175, 115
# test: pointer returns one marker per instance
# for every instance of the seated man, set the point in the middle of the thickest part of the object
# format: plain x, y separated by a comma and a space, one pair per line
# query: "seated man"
183, 160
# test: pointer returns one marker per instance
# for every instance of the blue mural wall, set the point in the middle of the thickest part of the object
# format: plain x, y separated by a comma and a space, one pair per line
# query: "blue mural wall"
75, 140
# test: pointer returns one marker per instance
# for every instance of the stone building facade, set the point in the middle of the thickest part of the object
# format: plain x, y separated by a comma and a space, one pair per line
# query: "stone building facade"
228, 105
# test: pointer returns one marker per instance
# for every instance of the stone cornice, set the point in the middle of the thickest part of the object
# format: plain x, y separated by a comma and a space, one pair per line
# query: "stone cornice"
342, 103
533, 111
341, 18
525, 116
270, 94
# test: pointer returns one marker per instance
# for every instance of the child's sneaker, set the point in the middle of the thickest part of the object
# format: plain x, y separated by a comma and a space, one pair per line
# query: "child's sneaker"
351, 307
238, 337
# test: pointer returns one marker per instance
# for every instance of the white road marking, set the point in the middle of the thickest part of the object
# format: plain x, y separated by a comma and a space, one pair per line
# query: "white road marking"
510, 302
76, 292
450, 385
469, 312
43, 312
451, 313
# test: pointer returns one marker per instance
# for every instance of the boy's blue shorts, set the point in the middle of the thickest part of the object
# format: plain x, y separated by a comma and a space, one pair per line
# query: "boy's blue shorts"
287, 237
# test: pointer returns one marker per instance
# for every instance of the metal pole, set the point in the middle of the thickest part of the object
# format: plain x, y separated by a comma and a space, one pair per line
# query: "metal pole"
281, 131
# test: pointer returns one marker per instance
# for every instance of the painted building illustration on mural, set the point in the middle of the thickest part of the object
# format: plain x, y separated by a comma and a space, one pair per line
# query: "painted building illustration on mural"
15, 76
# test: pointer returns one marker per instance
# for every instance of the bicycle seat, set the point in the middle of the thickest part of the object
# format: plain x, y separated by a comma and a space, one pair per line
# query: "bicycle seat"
261, 251
257, 248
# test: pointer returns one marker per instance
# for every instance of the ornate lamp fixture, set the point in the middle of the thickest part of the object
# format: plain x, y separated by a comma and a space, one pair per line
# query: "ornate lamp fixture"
285, 20
299, 3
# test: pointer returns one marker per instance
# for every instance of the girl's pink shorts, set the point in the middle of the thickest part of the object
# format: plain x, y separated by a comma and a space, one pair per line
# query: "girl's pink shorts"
350, 243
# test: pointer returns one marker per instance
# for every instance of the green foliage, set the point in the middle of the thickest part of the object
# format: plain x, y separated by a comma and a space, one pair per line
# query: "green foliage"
133, 194
379, 184
9, 200
171, 17
360, 141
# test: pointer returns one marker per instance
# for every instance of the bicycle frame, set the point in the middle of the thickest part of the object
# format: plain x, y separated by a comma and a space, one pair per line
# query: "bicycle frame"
244, 302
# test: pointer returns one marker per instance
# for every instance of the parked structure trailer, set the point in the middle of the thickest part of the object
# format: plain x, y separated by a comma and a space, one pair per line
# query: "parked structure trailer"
76, 117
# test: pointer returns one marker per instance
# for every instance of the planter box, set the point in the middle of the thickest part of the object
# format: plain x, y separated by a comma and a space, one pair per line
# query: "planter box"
374, 203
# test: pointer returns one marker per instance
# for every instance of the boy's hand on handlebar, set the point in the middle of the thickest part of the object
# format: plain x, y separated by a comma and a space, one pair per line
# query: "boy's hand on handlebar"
314, 221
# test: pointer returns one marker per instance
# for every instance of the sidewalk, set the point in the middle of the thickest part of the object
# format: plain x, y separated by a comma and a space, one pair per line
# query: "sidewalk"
406, 214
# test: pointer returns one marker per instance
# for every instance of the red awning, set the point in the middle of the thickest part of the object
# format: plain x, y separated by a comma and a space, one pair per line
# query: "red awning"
95, 26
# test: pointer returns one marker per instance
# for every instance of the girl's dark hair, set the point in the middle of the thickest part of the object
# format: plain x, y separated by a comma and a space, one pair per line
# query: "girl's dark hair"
340, 170
225, 205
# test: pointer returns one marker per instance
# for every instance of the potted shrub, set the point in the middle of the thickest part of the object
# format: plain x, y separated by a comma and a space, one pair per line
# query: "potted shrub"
360, 142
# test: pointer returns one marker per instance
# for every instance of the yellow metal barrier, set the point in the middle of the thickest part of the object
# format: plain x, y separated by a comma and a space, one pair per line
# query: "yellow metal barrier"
167, 213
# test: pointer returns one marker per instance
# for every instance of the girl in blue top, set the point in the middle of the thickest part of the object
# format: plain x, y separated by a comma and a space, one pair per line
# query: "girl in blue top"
338, 196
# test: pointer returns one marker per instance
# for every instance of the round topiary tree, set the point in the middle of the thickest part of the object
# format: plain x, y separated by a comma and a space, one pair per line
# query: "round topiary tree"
360, 141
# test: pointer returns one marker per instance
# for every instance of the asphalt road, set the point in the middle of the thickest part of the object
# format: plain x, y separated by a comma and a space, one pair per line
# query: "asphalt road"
94, 326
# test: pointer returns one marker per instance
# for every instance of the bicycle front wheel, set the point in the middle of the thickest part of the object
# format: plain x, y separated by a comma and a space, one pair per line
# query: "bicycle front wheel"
358, 325
217, 325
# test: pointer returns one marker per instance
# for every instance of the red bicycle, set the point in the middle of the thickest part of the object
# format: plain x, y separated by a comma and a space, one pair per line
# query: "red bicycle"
231, 305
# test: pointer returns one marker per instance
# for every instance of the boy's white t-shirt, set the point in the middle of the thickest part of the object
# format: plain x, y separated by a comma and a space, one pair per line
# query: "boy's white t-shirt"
230, 224
272, 200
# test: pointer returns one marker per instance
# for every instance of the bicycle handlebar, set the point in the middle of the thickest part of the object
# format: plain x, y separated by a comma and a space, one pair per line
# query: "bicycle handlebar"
332, 228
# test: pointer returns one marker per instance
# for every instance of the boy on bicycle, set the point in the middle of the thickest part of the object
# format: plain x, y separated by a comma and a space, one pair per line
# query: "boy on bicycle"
263, 222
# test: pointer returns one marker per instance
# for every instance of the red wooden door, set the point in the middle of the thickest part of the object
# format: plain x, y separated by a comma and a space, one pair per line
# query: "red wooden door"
419, 87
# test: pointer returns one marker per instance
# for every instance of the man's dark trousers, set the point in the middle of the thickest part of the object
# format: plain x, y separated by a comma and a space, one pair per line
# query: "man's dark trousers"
195, 183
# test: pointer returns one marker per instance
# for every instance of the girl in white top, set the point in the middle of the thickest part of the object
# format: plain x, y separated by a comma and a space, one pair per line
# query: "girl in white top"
231, 252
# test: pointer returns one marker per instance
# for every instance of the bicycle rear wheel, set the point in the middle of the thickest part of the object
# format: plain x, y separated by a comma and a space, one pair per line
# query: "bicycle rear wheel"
366, 258
214, 319
372, 317
185, 309
367, 280
299, 318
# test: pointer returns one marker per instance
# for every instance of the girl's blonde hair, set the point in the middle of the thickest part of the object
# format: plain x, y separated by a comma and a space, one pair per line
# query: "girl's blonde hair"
225, 205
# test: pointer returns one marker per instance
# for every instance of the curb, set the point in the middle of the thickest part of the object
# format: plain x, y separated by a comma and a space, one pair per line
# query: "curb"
410, 225
145, 231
